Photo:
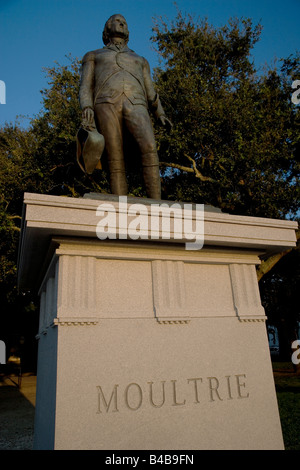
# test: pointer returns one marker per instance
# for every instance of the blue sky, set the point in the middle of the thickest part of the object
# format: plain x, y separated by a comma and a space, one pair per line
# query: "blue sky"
36, 33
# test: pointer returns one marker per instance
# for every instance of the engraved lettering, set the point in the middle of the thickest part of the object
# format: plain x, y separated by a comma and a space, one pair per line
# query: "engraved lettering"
151, 395
175, 403
195, 388
214, 389
229, 387
139, 396
113, 399
239, 385
183, 392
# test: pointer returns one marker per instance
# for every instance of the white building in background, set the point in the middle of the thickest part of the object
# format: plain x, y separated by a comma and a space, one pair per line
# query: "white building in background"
273, 340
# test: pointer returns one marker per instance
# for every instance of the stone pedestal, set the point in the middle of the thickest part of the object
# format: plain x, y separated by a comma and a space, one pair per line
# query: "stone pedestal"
144, 344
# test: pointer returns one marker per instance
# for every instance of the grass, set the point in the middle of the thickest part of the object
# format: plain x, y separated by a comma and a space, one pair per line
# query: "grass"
287, 384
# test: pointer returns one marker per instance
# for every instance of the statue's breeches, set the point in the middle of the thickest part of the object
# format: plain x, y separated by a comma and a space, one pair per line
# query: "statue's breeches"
110, 119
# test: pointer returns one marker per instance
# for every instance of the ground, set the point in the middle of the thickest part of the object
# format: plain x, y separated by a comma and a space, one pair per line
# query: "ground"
288, 395
17, 408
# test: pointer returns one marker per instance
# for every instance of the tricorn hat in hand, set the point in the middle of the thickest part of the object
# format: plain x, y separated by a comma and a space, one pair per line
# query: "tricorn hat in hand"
90, 146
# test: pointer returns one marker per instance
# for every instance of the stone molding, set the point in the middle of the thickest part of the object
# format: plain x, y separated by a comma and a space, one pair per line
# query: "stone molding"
45, 217
69, 290
245, 291
60, 255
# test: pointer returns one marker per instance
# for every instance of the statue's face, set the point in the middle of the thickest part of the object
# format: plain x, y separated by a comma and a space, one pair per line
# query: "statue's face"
118, 27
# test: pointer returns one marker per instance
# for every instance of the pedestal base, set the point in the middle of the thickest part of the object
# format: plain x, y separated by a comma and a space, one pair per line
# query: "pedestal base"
145, 345
137, 384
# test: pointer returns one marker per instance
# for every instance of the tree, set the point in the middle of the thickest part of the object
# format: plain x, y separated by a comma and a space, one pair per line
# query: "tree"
234, 143
19, 173
55, 131
235, 140
38, 159
279, 291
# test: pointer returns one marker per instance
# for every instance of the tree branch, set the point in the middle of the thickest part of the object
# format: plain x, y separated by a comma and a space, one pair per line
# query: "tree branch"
61, 166
270, 262
188, 169
14, 217
178, 167
267, 264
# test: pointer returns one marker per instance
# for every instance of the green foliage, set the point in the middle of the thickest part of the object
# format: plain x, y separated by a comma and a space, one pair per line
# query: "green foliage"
39, 159
235, 137
288, 396
18, 174
55, 132
234, 143
235, 140
289, 406
279, 290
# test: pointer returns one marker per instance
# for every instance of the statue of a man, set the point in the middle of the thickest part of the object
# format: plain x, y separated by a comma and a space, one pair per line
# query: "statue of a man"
117, 92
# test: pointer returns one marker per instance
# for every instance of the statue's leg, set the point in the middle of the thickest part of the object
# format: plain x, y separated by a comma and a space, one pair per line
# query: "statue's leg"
109, 122
140, 126
151, 175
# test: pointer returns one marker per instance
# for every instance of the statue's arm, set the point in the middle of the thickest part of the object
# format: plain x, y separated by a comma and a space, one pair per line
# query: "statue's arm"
86, 90
153, 98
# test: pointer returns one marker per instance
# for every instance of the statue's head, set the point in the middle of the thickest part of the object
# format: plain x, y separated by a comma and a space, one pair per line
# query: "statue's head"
115, 26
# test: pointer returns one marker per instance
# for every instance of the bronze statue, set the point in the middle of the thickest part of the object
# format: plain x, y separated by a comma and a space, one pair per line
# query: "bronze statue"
116, 93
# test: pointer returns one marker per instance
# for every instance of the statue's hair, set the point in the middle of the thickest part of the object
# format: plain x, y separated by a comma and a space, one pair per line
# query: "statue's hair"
105, 34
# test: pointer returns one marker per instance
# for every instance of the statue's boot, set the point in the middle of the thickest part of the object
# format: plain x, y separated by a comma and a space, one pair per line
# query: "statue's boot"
151, 176
118, 183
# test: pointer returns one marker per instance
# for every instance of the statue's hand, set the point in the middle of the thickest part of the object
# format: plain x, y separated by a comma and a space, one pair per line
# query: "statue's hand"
165, 122
88, 115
